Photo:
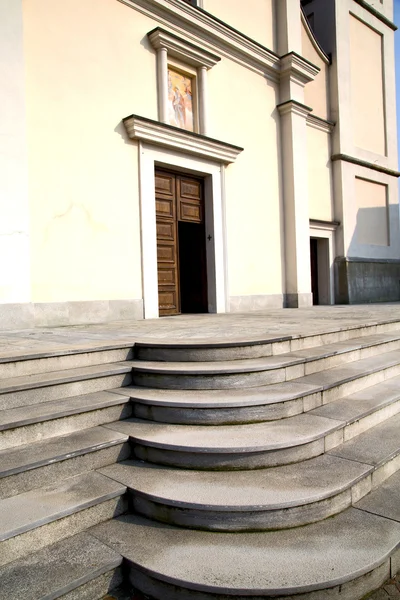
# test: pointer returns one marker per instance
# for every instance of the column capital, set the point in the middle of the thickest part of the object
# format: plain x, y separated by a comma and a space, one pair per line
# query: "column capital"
294, 107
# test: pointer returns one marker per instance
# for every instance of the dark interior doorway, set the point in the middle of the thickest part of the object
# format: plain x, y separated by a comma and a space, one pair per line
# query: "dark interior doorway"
181, 249
314, 269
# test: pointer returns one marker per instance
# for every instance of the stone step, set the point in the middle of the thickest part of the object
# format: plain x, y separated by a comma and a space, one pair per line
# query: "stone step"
379, 447
268, 444
58, 458
27, 424
275, 498
272, 345
254, 372
231, 447
348, 555
44, 387
45, 515
278, 497
265, 403
20, 363
219, 407
77, 568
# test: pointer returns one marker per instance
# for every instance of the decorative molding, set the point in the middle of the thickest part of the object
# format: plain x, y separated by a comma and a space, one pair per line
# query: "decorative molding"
377, 14
203, 29
325, 225
167, 136
320, 51
292, 106
319, 123
298, 68
366, 164
181, 49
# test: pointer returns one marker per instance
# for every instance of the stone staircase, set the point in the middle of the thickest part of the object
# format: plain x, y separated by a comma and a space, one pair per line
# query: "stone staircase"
248, 469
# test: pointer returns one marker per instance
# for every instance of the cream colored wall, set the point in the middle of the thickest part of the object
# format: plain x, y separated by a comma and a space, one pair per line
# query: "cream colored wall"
14, 213
366, 87
254, 18
372, 225
316, 93
82, 77
242, 111
319, 175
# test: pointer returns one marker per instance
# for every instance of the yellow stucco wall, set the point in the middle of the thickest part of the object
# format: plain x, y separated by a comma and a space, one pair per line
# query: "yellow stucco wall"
372, 225
85, 233
319, 175
256, 21
366, 87
242, 111
316, 93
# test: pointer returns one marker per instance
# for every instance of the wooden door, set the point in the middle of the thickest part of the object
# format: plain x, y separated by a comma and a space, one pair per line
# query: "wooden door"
182, 283
167, 244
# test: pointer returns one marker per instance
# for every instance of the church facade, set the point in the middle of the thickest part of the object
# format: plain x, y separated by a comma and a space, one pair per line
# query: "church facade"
161, 157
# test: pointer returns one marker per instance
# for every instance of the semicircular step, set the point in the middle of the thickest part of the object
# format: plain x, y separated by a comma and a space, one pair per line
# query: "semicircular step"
349, 555
276, 498
248, 446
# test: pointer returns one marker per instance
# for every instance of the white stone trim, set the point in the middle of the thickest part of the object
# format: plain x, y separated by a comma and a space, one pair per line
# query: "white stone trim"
151, 156
203, 30
322, 230
299, 69
179, 48
160, 134
169, 45
320, 124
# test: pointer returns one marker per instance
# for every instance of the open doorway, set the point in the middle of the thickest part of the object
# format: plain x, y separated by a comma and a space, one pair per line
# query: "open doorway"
320, 270
181, 250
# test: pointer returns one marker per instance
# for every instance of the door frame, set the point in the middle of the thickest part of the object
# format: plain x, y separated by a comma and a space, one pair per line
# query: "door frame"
325, 231
151, 157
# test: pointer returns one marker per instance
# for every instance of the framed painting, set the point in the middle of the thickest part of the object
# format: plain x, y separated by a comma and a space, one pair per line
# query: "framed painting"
180, 99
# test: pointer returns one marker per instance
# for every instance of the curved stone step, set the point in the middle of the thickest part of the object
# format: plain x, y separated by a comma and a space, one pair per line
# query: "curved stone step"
347, 554
209, 350
274, 498
55, 459
218, 407
45, 515
80, 565
230, 447
259, 372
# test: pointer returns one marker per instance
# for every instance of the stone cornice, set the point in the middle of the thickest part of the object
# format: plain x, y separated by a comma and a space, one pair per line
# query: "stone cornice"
324, 225
294, 65
160, 134
319, 123
377, 14
206, 31
181, 49
292, 106
366, 164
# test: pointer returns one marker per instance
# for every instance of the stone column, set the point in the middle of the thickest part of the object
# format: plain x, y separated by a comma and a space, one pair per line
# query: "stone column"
162, 79
295, 202
295, 73
202, 95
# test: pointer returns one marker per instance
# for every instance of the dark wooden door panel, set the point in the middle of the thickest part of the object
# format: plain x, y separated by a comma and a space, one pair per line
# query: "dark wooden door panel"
179, 199
190, 200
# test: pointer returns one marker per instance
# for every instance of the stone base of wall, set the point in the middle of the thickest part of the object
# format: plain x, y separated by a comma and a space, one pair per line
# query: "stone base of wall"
251, 303
362, 280
54, 314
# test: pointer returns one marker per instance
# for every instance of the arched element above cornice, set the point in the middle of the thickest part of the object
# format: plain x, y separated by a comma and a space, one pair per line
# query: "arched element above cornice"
321, 53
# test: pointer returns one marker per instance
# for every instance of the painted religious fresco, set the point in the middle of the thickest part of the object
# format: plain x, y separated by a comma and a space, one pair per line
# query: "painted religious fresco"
180, 100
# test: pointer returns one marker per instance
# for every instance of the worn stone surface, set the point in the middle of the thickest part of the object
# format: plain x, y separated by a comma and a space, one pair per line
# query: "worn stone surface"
58, 569
338, 550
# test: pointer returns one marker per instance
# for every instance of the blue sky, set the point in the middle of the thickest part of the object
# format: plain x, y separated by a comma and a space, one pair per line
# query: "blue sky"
397, 52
